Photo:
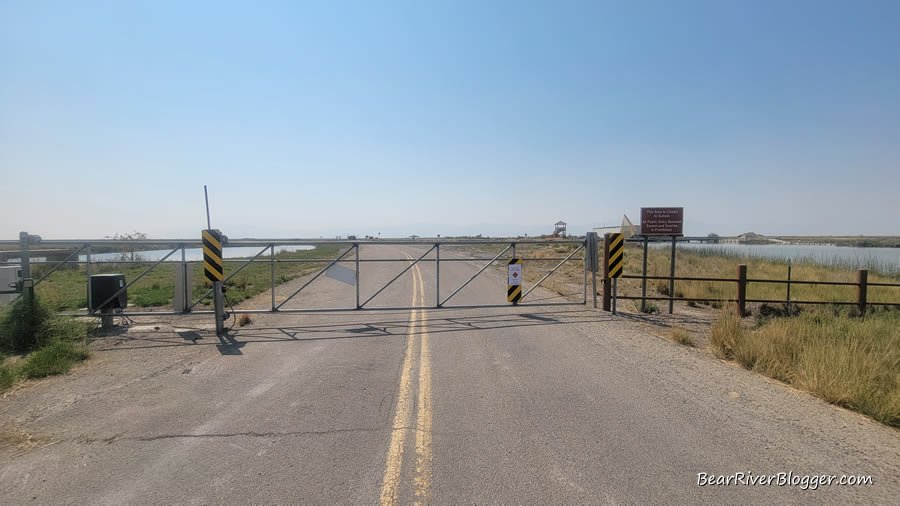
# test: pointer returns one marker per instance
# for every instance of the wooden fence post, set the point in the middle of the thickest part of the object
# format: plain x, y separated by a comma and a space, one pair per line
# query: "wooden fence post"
672, 276
862, 277
742, 289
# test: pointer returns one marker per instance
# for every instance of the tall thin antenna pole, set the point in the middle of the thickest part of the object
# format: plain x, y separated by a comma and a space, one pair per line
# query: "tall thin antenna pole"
206, 197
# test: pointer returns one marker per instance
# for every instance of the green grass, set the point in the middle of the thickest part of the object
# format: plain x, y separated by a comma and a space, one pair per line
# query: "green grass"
66, 289
848, 361
48, 345
63, 328
650, 307
22, 325
54, 358
8, 376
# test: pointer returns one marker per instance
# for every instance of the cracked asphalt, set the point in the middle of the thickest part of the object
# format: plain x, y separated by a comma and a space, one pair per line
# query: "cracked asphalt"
558, 404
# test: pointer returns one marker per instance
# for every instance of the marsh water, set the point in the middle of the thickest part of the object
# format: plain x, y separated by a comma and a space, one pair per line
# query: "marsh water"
191, 254
885, 260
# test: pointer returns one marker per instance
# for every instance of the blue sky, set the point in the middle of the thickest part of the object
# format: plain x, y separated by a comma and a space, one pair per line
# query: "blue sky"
309, 119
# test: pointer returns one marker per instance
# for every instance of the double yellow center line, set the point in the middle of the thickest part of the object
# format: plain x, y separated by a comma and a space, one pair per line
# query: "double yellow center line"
418, 328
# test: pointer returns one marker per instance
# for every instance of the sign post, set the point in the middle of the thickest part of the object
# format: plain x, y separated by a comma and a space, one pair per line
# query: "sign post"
672, 276
606, 282
213, 268
27, 286
665, 221
590, 262
644, 278
514, 286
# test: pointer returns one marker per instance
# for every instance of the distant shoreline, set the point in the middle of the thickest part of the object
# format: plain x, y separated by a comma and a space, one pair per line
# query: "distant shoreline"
872, 241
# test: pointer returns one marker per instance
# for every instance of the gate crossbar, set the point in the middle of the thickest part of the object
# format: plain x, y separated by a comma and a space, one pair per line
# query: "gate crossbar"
408, 267
135, 280
348, 250
55, 267
268, 246
239, 269
476, 275
551, 272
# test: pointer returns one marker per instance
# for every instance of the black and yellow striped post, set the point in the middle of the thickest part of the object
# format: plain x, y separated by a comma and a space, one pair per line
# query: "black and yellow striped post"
616, 255
212, 255
214, 269
613, 263
516, 273
616, 262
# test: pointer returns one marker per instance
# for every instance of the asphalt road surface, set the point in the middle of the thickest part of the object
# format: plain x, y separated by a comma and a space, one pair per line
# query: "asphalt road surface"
536, 405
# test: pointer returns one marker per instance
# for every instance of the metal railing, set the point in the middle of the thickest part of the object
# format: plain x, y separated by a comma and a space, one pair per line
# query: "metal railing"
741, 282
350, 253
88, 249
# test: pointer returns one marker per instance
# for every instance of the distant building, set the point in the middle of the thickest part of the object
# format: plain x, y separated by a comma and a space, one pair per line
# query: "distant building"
559, 229
752, 238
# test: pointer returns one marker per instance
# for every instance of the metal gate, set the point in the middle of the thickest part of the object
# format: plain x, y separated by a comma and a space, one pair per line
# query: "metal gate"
33, 251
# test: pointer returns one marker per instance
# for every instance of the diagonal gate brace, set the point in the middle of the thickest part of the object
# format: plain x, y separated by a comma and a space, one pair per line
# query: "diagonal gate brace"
408, 267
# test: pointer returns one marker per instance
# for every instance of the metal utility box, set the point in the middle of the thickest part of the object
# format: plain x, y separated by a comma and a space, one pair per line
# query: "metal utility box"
103, 286
184, 283
9, 275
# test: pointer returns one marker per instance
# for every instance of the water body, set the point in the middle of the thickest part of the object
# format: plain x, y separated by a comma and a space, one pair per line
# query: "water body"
885, 260
191, 254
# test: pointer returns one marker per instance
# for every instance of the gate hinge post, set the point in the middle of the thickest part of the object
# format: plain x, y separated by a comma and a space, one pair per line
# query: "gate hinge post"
356, 247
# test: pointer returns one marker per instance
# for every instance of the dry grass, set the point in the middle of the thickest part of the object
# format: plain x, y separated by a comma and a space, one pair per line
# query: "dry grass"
567, 280
725, 334
17, 442
682, 336
693, 264
847, 361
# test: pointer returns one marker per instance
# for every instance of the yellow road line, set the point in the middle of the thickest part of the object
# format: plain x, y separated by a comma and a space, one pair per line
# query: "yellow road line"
423, 418
394, 465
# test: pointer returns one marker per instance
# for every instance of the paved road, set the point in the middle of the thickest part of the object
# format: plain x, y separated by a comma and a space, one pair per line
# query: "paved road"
514, 405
